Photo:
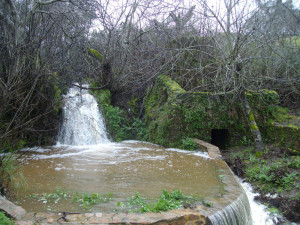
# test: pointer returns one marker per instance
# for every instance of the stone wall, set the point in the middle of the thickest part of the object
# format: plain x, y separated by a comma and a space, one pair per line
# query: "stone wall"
173, 114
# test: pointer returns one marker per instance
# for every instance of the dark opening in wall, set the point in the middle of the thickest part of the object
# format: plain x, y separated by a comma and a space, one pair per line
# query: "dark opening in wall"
220, 138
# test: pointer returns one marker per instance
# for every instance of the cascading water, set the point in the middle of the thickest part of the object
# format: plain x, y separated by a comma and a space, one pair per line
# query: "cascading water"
237, 213
82, 122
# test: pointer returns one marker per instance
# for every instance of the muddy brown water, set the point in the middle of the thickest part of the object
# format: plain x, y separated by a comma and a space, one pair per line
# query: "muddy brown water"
118, 168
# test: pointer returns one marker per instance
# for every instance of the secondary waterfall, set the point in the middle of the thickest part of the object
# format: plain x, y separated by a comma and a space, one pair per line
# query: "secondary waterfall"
82, 122
237, 213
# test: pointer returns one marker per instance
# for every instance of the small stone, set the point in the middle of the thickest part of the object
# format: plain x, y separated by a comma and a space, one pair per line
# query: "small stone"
98, 215
88, 215
24, 223
50, 220
93, 221
72, 217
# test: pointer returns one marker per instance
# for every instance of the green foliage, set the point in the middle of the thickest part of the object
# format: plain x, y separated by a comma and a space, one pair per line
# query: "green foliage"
103, 96
189, 144
207, 203
4, 220
273, 210
140, 131
10, 175
272, 177
167, 201
294, 162
86, 200
245, 141
117, 126
258, 154
52, 197
121, 128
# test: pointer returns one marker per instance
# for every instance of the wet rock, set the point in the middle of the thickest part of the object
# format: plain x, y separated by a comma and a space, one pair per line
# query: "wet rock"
11, 209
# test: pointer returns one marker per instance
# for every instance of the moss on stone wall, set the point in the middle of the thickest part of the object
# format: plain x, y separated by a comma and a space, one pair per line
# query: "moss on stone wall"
173, 114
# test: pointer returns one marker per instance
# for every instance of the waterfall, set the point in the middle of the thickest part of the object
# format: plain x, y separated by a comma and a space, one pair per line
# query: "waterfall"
236, 213
83, 123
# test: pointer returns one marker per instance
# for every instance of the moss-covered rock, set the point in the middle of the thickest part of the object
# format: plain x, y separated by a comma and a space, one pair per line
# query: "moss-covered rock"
172, 114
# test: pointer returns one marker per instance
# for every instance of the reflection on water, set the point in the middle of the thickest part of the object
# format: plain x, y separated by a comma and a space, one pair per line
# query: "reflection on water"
118, 168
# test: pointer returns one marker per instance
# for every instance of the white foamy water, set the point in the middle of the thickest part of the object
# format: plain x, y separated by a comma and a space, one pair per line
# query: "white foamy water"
260, 215
82, 122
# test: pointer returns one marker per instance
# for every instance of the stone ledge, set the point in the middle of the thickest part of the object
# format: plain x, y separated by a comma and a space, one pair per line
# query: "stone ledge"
212, 150
174, 217
11, 209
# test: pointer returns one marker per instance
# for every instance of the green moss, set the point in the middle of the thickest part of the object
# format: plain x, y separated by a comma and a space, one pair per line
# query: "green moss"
258, 154
96, 54
172, 114
251, 117
253, 127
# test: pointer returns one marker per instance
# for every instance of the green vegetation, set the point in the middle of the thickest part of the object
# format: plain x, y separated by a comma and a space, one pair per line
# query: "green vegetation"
275, 172
189, 144
118, 124
4, 220
52, 197
137, 203
275, 175
10, 175
86, 200
103, 96
167, 201
173, 115
120, 128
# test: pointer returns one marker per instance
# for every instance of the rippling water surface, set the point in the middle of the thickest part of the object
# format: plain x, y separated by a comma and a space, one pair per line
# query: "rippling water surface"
117, 168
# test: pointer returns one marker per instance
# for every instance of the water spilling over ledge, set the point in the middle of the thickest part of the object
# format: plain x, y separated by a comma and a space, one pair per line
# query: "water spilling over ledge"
96, 165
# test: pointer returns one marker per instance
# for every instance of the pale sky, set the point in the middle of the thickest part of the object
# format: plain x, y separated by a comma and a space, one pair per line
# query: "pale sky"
160, 11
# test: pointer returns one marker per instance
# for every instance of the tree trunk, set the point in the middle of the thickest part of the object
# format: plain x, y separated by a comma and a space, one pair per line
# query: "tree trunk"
258, 143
